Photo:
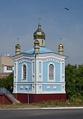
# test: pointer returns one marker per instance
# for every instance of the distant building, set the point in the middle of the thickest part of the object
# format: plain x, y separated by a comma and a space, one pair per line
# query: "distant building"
39, 73
6, 65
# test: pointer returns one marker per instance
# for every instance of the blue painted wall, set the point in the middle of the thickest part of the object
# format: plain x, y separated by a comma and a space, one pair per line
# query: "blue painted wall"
51, 87
57, 74
22, 87
28, 73
57, 71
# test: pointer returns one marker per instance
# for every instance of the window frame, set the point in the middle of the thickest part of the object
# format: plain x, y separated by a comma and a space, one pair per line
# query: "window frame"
24, 77
53, 72
9, 68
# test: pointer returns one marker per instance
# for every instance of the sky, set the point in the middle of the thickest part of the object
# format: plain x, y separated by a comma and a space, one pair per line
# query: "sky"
19, 20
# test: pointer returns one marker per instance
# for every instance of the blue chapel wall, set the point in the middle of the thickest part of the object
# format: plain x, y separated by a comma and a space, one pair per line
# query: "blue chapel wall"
22, 88
45, 67
57, 71
28, 73
51, 87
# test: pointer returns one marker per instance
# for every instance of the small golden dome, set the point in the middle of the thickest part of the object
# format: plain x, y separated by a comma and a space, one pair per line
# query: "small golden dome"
36, 43
39, 34
60, 46
60, 49
17, 46
17, 49
36, 46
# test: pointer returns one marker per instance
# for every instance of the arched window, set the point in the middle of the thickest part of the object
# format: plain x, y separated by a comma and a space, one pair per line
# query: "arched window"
24, 72
51, 72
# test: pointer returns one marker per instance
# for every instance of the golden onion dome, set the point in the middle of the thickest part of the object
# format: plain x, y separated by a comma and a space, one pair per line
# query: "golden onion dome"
60, 49
39, 34
60, 46
17, 46
36, 46
17, 49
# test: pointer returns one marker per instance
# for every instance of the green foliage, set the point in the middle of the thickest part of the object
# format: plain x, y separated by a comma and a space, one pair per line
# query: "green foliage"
74, 81
7, 82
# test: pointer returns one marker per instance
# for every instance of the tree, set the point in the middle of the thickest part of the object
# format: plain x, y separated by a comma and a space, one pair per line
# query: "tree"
7, 82
74, 80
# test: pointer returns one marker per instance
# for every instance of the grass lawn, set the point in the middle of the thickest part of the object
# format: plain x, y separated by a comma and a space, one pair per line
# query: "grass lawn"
67, 103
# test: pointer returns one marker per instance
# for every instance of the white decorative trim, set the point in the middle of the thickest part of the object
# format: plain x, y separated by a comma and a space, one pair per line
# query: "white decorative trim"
53, 92
40, 83
16, 71
22, 72
37, 71
21, 87
40, 74
23, 58
63, 88
50, 56
26, 91
16, 76
33, 72
48, 87
54, 87
26, 87
57, 61
63, 74
33, 67
60, 71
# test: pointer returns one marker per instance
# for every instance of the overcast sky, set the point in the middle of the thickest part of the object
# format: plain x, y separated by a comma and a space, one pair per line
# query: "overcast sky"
19, 19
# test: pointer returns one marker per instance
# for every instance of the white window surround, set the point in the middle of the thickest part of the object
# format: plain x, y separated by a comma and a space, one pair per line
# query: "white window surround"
26, 71
53, 72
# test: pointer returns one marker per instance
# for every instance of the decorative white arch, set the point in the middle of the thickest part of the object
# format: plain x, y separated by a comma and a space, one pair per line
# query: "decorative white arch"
51, 72
24, 71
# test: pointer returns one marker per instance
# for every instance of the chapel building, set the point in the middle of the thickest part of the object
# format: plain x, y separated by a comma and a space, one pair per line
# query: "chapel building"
39, 73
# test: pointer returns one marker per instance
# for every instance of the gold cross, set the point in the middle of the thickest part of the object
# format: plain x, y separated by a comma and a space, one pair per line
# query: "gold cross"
17, 40
39, 19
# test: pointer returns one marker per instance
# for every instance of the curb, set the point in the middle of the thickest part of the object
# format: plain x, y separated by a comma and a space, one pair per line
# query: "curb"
43, 108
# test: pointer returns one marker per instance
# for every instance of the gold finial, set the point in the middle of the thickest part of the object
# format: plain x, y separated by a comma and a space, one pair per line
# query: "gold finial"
60, 39
17, 39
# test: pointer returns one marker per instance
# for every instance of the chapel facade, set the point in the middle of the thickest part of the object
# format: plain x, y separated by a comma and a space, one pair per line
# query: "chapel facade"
39, 73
